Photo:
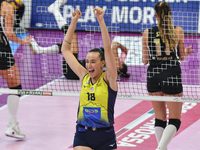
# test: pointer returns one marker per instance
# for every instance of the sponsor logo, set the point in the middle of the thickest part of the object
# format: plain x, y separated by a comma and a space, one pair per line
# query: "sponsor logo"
47, 93
94, 128
92, 112
124, 96
27, 92
186, 99
111, 145
177, 99
88, 81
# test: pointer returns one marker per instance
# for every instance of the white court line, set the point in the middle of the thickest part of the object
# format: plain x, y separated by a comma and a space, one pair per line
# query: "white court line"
136, 122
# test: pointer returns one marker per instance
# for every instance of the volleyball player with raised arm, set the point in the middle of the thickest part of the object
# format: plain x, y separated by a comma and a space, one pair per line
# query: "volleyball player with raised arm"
8, 67
160, 46
54, 8
120, 64
98, 93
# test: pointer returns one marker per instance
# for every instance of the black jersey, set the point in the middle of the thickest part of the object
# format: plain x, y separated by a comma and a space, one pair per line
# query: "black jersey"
3, 38
164, 72
6, 57
159, 52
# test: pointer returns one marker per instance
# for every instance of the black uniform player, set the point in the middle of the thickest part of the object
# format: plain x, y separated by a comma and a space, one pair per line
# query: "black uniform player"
164, 72
8, 67
163, 47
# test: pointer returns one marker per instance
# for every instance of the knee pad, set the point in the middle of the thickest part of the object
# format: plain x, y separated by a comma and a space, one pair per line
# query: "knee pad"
175, 122
19, 87
160, 123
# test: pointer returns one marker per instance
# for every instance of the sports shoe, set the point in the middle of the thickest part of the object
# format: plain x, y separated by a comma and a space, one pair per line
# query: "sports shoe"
14, 131
56, 5
53, 7
33, 46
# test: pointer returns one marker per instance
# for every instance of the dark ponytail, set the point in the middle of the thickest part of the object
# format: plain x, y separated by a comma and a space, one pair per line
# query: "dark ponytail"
166, 25
100, 50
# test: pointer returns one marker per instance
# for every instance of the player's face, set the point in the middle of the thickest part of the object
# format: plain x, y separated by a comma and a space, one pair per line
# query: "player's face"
94, 64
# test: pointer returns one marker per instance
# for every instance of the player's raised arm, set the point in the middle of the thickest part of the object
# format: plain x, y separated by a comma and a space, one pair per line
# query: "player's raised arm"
66, 46
111, 74
7, 12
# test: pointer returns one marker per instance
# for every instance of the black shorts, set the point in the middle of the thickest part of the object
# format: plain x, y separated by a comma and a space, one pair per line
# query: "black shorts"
165, 79
97, 140
6, 58
68, 72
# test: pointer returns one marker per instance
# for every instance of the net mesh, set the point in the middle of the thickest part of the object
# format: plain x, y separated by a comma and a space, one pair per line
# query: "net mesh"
40, 63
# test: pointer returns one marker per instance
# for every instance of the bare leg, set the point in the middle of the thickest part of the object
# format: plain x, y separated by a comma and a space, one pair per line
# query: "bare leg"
12, 78
175, 109
160, 115
82, 148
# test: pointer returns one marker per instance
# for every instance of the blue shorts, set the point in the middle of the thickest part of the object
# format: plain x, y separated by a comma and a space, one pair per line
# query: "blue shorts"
97, 140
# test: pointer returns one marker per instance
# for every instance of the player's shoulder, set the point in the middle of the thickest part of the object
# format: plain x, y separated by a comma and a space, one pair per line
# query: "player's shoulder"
150, 29
178, 28
145, 33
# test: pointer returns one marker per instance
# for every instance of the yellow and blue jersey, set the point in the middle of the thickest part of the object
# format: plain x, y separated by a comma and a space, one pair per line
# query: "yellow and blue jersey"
96, 106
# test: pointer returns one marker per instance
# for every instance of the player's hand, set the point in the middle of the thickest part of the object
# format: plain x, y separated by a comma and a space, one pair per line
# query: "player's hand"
189, 50
26, 40
76, 15
99, 13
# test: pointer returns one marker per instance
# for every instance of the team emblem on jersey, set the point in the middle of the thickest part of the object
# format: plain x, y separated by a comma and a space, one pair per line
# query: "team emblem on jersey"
88, 81
92, 89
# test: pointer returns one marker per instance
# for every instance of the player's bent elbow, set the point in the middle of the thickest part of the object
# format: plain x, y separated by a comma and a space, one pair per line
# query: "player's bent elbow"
145, 61
10, 36
115, 44
62, 49
182, 58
